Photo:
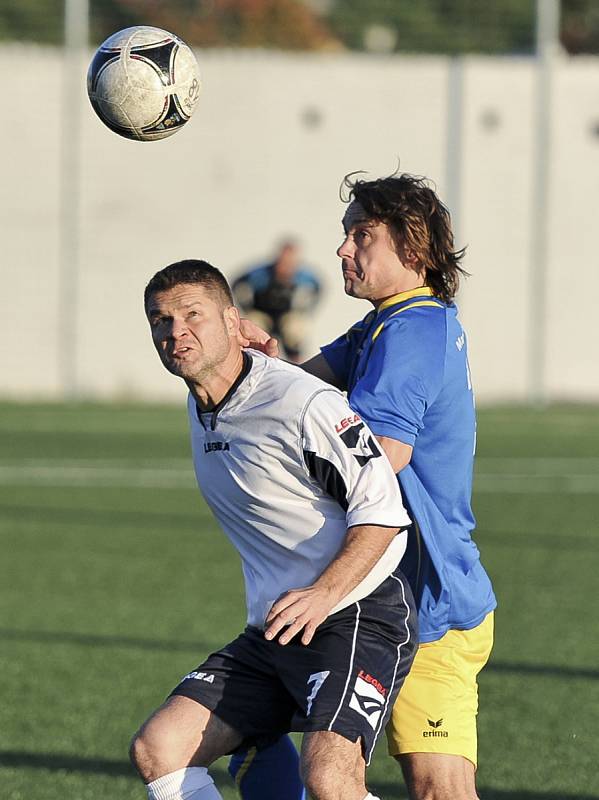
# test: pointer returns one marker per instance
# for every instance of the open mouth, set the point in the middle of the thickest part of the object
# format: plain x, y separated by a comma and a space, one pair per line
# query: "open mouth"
181, 352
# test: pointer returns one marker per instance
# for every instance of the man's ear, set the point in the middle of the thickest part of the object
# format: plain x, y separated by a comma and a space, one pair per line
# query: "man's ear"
232, 321
410, 258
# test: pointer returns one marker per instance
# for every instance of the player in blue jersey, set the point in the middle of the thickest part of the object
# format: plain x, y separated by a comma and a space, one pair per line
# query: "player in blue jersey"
405, 368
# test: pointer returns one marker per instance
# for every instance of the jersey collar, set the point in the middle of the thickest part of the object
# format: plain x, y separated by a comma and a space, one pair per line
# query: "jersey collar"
245, 369
421, 291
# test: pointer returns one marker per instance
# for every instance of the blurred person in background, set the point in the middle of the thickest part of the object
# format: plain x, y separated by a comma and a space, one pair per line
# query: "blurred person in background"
405, 368
279, 296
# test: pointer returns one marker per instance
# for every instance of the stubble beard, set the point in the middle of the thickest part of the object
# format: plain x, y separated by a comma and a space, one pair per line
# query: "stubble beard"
353, 284
199, 374
355, 288
348, 286
203, 366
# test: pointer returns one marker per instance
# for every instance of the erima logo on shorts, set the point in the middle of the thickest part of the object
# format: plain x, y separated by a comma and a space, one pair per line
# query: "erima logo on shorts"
199, 676
435, 724
368, 698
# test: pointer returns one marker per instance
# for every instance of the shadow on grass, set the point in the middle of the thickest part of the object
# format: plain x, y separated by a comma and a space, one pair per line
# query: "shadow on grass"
542, 670
113, 518
390, 789
525, 540
57, 761
96, 766
103, 766
132, 642
95, 640
522, 794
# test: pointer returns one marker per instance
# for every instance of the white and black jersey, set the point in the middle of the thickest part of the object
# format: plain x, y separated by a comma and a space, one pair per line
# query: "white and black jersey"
286, 467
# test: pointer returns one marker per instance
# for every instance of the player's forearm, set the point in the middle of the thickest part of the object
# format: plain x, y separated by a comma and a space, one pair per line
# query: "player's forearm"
363, 547
308, 607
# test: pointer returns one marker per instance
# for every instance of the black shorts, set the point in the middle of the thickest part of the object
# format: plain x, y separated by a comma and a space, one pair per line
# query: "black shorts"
346, 680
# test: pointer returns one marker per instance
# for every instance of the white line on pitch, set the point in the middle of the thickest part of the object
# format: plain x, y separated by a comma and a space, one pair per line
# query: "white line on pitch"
493, 475
104, 476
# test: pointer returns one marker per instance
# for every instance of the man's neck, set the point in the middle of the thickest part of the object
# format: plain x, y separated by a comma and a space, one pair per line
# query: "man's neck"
210, 389
376, 302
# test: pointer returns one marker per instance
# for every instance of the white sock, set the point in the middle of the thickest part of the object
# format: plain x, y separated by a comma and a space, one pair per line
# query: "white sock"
190, 783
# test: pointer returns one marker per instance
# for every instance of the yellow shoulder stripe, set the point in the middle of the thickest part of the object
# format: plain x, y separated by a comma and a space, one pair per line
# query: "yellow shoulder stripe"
405, 308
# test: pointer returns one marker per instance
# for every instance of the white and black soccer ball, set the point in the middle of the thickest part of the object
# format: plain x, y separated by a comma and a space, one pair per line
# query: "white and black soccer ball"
144, 83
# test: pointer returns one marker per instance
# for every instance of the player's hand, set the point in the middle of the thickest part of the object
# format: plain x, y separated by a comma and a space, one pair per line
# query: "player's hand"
251, 335
300, 609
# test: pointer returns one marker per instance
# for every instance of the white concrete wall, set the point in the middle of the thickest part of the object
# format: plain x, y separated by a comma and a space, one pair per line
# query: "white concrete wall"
247, 170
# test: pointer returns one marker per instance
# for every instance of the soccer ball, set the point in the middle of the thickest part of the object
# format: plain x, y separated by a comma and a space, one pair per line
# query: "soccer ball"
144, 83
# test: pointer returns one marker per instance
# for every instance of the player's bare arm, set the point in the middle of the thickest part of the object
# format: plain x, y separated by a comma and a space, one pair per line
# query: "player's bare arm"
398, 453
308, 607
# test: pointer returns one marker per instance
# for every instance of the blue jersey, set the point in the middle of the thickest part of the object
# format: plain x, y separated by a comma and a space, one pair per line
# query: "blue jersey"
405, 367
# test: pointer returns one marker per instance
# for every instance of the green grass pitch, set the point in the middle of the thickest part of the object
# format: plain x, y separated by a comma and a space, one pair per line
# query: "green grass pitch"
114, 582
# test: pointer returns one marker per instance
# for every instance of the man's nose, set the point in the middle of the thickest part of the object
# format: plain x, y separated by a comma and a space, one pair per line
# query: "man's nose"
178, 328
345, 249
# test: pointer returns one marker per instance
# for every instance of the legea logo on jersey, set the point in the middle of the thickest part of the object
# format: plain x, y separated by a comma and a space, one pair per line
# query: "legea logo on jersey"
368, 698
216, 447
207, 677
346, 422
358, 441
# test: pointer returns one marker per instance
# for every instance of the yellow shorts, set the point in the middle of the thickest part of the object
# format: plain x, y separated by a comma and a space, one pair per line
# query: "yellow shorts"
437, 705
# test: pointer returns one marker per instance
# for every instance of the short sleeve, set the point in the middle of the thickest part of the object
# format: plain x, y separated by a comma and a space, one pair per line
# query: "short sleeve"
343, 456
338, 355
403, 375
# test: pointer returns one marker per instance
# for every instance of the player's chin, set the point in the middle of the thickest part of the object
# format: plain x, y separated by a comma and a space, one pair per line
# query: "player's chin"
353, 289
175, 367
348, 286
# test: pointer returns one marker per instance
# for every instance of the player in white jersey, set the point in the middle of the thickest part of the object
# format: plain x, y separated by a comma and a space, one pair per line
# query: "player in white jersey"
300, 486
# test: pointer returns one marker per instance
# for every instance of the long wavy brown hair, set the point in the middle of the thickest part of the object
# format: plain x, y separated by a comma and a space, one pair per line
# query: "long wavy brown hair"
417, 219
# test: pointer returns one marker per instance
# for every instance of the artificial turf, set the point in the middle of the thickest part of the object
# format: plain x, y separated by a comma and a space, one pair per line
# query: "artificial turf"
115, 582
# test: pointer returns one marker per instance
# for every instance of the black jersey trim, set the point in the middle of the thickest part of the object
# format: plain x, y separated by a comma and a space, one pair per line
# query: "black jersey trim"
328, 477
400, 528
245, 369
